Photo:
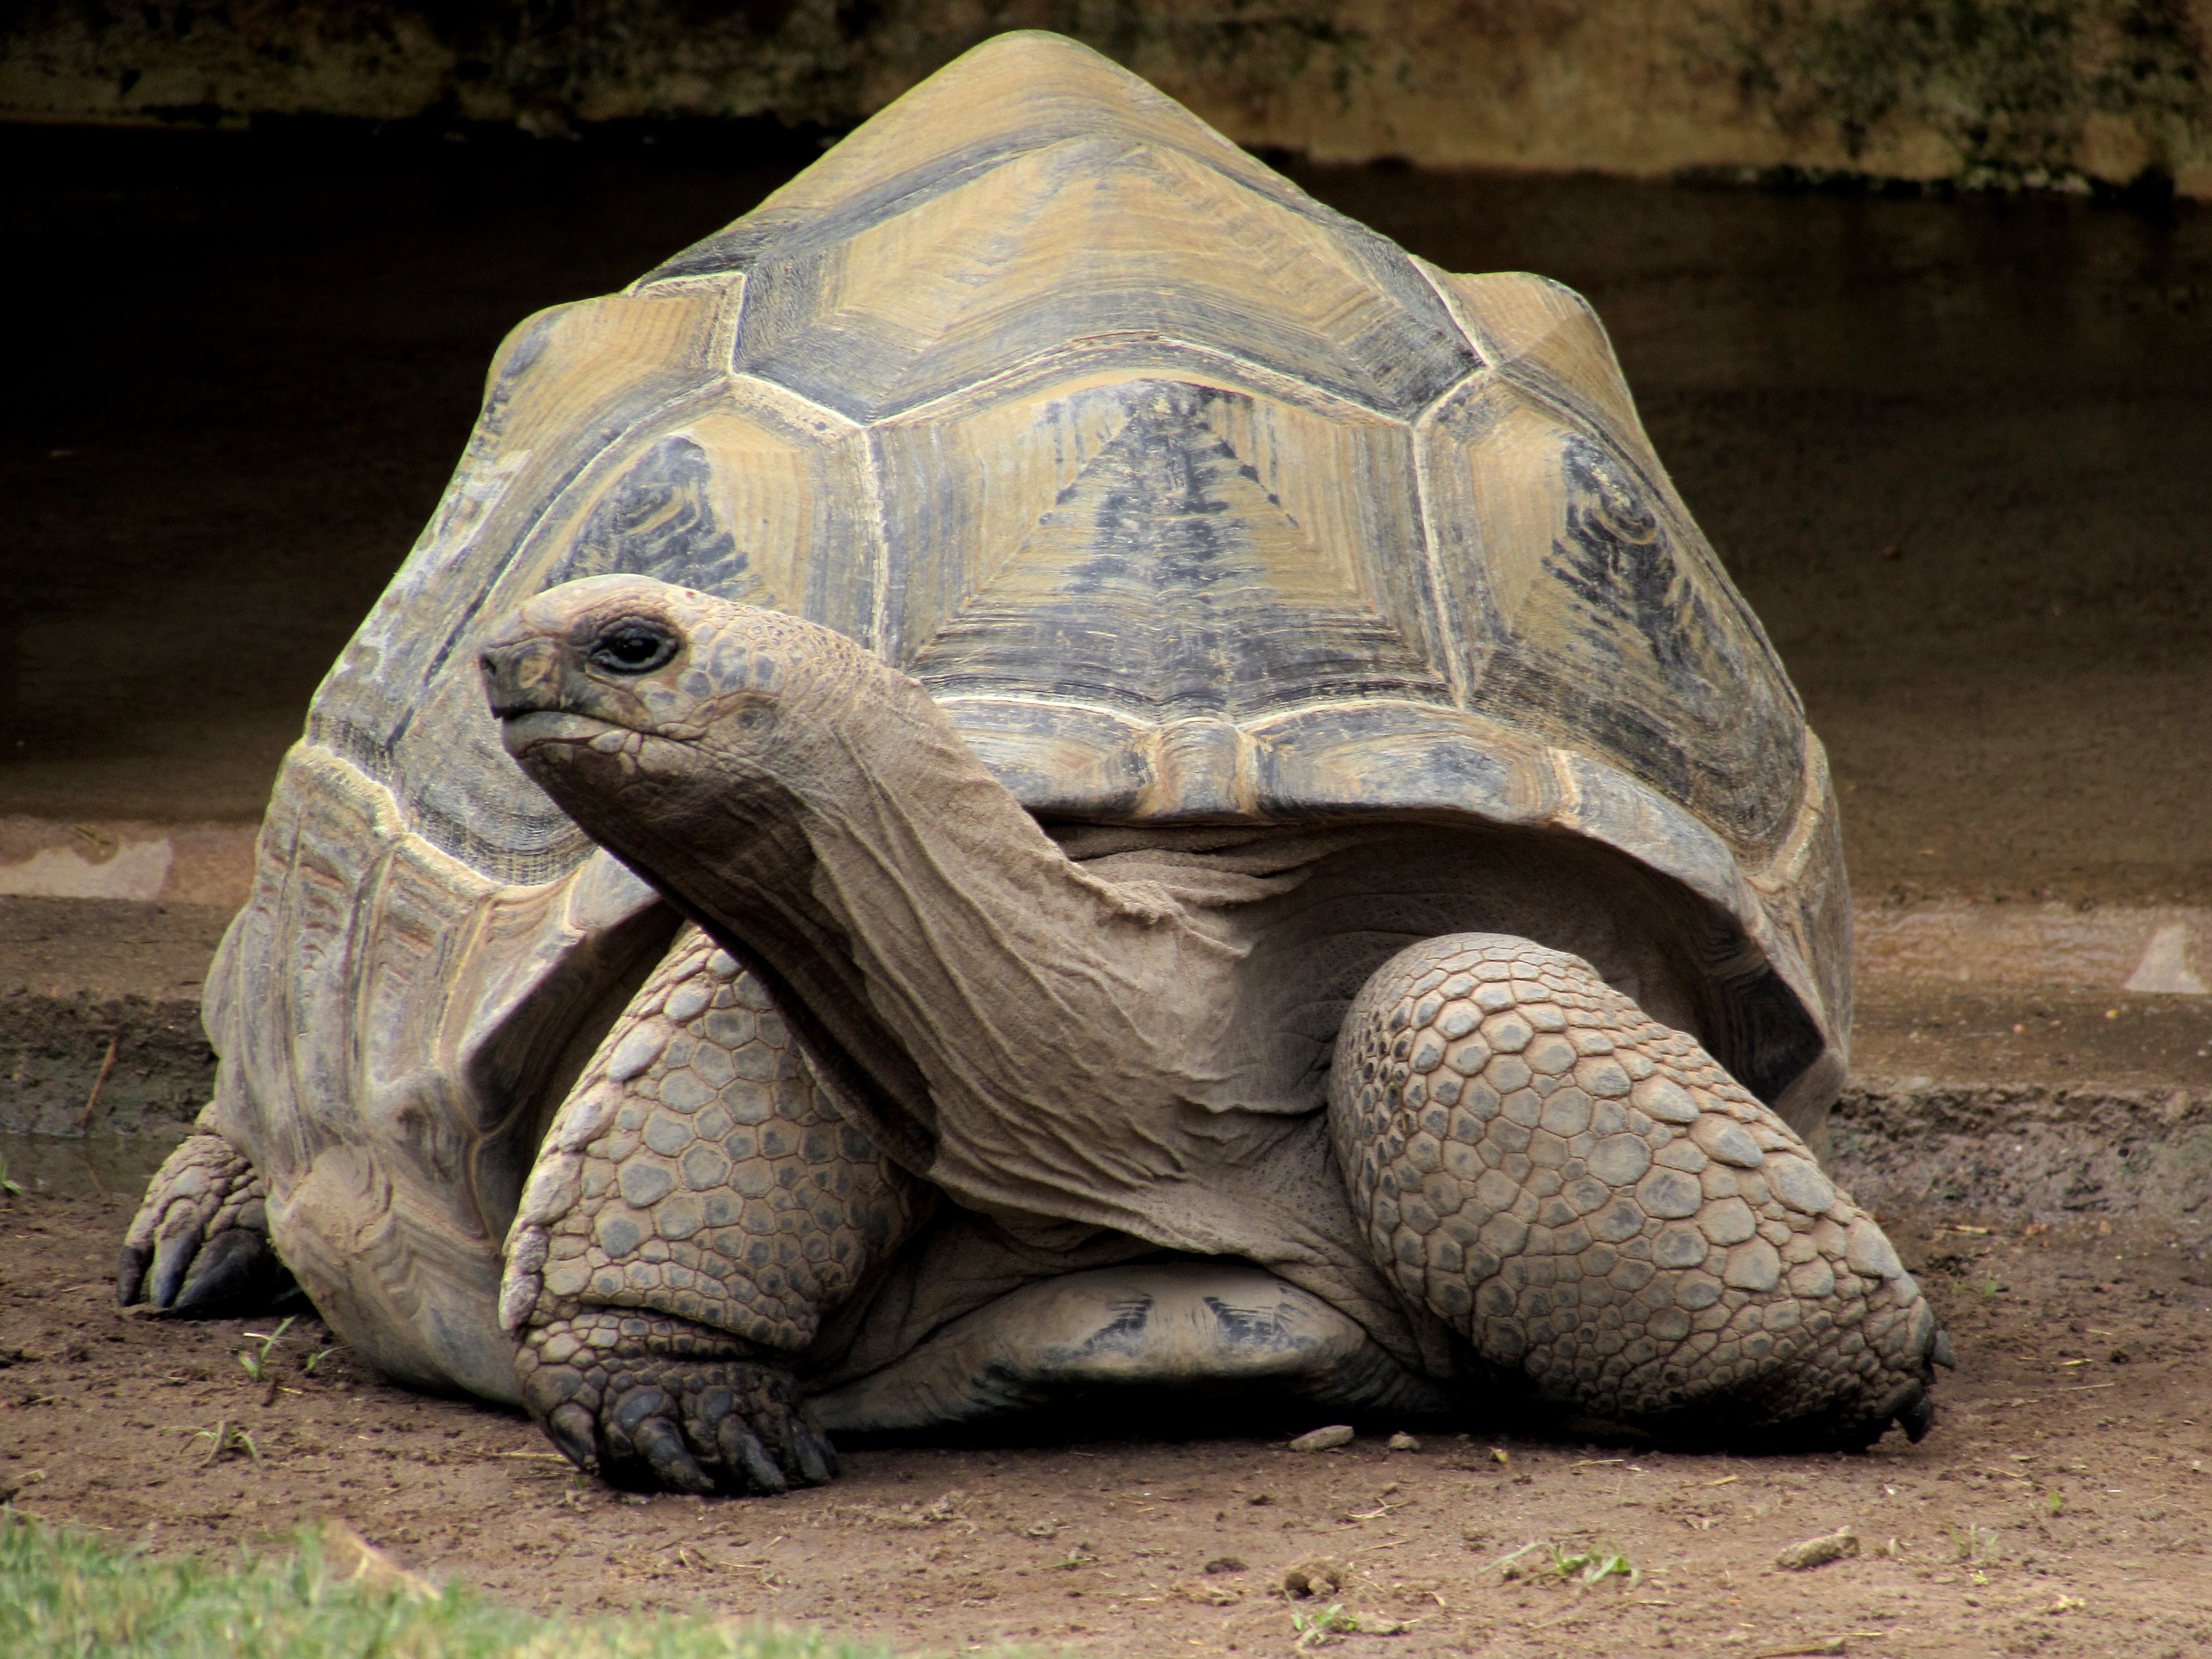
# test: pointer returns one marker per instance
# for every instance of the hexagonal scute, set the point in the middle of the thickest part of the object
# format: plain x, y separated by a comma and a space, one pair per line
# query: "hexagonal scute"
1158, 542
1550, 513
1017, 91
1090, 238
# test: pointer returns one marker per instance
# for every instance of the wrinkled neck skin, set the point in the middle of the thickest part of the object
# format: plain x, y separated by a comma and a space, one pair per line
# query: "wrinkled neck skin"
1064, 1028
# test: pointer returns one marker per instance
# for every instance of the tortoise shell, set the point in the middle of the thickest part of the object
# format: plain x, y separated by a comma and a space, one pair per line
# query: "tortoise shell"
1191, 500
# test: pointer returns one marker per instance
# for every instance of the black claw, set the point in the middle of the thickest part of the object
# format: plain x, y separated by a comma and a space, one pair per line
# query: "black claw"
570, 1428
1917, 1415
173, 1260
818, 1458
227, 1275
730, 1424
131, 1276
657, 1438
743, 1454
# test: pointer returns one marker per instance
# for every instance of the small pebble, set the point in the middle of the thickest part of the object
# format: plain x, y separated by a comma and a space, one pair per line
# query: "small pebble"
1818, 1551
1403, 1441
1337, 1434
1207, 1595
1321, 1576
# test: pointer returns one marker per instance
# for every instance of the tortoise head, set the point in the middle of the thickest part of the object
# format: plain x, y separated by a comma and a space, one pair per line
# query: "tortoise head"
588, 661
624, 697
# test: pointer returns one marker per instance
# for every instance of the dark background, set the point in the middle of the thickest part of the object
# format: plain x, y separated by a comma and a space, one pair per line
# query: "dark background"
1957, 448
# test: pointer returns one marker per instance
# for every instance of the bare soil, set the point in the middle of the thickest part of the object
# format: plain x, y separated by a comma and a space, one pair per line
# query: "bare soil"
99, 1015
2018, 1035
2061, 1506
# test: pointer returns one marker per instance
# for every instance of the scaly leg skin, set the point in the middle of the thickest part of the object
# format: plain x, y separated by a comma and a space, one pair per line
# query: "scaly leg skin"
663, 1403
200, 1244
1590, 1200
698, 1206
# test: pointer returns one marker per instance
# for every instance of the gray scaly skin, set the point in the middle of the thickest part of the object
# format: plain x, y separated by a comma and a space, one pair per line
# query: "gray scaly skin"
1646, 1242
200, 1244
696, 1207
1588, 1199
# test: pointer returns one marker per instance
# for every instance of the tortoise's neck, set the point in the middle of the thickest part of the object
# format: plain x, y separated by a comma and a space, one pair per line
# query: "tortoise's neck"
930, 932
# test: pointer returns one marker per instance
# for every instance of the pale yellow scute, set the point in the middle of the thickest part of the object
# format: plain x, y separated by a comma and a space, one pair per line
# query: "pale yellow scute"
1158, 545
1027, 470
593, 344
1014, 91
717, 497
1593, 613
1085, 239
569, 372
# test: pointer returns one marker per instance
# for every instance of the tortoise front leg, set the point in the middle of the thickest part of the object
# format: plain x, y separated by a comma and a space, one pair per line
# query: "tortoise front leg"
200, 1244
698, 1207
1592, 1201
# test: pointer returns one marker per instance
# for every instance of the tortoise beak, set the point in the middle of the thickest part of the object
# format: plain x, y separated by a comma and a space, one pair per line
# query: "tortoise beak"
528, 676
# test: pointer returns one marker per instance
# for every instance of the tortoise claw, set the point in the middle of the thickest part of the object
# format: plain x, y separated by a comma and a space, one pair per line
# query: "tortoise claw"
818, 1458
131, 1276
743, 1453
662, 1444
681, 1408
570, 1428
229, 1275
173, 1259
200, 1244
1917, 1415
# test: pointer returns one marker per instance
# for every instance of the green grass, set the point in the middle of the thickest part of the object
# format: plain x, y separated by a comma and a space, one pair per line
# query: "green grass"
65, 1595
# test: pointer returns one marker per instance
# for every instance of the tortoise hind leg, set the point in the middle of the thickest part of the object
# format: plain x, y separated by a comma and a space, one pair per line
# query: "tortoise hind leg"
697, 1209
200, 1244
1590, 1200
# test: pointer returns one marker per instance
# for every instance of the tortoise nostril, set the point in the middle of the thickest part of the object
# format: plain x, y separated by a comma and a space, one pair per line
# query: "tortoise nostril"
521, 677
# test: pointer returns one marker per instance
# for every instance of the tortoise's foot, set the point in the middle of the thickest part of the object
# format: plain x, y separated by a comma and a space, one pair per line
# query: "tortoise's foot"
660, 1404
200, 1244
1593, 1202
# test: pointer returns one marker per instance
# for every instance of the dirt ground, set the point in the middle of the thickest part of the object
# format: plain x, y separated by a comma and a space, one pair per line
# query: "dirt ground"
2016, 1034
2061, 1506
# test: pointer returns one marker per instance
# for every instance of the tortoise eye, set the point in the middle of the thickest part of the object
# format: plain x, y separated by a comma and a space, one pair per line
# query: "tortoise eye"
633, 645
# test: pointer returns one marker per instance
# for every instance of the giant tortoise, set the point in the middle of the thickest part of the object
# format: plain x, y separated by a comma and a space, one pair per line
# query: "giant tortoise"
1093, 777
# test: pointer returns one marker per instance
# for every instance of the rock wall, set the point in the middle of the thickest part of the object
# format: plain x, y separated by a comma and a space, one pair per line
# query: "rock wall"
2060, 94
